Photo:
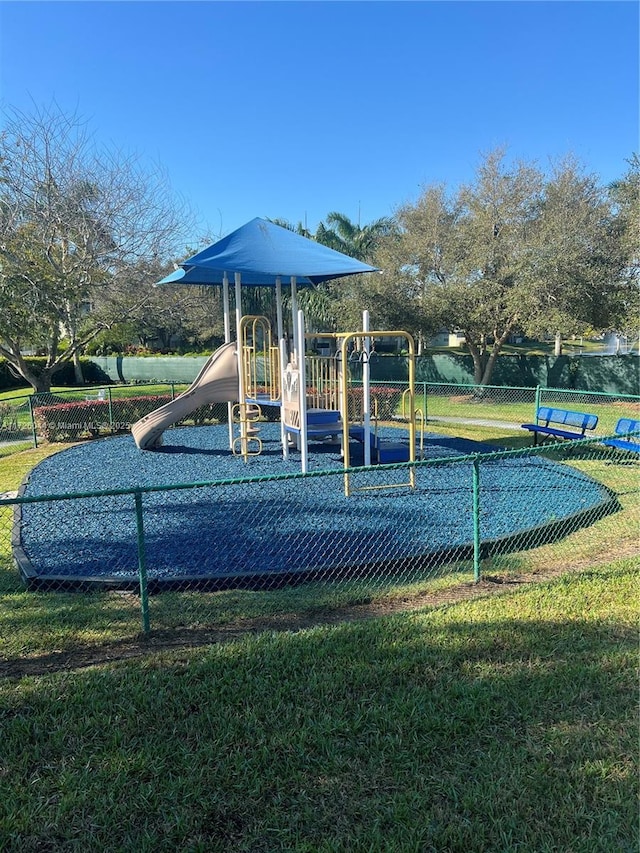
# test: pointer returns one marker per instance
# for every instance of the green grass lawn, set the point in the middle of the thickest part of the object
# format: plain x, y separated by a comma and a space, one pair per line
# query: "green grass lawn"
504, 723
518, 413
117, 391
495, 725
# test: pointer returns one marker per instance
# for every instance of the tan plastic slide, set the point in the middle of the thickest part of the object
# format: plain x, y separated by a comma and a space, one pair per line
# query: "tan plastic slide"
217, 382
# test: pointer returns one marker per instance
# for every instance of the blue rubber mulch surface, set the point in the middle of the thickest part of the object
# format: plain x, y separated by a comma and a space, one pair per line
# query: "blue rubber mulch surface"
285, 529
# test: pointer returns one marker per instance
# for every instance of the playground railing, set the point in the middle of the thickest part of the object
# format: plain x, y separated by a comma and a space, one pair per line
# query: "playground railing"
172, 557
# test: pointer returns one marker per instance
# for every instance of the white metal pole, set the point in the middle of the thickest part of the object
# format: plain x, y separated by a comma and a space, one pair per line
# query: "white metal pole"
294, 317
279, 306
366, 390
282, 348
227, 311
227, 340
303, 395
295, 358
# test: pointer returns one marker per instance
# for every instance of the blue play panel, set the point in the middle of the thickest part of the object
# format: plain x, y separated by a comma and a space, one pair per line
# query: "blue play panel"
265, 533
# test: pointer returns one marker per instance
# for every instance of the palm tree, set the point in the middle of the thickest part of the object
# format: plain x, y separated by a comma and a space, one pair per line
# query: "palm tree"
300, 229
352, 239
332, 305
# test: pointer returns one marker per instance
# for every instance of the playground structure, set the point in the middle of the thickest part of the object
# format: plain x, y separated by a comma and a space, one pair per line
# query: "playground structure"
461, 503
312, 392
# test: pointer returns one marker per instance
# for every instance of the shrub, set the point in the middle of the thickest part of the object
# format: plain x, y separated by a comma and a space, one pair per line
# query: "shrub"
58, 420
69, 421
208, 413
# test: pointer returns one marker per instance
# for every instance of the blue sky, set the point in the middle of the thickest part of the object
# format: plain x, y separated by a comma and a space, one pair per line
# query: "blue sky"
294, 109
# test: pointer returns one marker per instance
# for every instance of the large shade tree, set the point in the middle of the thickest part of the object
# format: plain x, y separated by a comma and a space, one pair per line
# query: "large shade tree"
511, 251
575, 259
625, 198
75, 220
163, 318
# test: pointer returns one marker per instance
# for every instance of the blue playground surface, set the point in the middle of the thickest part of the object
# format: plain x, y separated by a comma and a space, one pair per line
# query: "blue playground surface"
289, 530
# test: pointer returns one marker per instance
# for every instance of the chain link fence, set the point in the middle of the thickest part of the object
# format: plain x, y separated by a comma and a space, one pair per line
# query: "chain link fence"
78, 414
16, 421
608, 407
479, 404
495, 405
107, 565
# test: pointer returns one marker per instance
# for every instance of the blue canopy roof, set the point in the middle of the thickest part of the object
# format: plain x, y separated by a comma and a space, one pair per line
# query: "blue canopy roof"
205, 276
261, 251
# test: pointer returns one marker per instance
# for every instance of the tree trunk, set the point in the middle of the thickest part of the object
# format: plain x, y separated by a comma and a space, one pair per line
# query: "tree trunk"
479, 359
491, 363
77, 369
41, 384
483, 365
557, 350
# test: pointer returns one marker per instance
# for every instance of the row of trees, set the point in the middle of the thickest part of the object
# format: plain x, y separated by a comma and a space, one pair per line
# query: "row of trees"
86, 232
513, 252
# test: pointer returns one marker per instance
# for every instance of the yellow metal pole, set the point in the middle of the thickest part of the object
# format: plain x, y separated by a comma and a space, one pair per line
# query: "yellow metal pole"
412, 413
345, 416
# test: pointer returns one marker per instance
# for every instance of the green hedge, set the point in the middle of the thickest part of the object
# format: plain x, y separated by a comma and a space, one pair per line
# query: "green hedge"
69, 421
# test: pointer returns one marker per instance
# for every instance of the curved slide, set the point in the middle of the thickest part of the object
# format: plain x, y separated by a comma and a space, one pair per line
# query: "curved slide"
217, 382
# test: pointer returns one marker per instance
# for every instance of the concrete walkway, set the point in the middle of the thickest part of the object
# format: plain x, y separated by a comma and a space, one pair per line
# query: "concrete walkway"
474, 422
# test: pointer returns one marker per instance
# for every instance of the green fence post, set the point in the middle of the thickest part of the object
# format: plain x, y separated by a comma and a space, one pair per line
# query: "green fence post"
142, 566
173, 391
476, 518
110, 409
34, 434
424, 395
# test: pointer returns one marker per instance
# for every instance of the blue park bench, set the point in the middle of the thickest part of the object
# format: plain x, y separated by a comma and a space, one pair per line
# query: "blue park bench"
555, 422
626, 441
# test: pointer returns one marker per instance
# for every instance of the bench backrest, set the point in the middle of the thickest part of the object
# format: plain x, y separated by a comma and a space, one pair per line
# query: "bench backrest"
626, 425
581, 420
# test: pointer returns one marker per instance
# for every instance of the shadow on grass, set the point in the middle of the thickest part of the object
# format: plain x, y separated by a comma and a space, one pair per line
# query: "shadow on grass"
487, 729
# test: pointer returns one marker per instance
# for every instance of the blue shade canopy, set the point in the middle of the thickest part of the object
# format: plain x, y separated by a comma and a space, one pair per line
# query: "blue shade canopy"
261, 251
205, 276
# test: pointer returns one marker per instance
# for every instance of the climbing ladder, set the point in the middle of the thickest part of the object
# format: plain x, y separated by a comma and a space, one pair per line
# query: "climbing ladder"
260, 361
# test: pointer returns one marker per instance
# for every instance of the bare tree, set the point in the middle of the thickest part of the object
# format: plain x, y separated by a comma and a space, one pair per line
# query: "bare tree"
74, 218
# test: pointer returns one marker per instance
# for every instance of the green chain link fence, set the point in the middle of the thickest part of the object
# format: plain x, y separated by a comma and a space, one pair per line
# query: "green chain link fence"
202, 555
77, 414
